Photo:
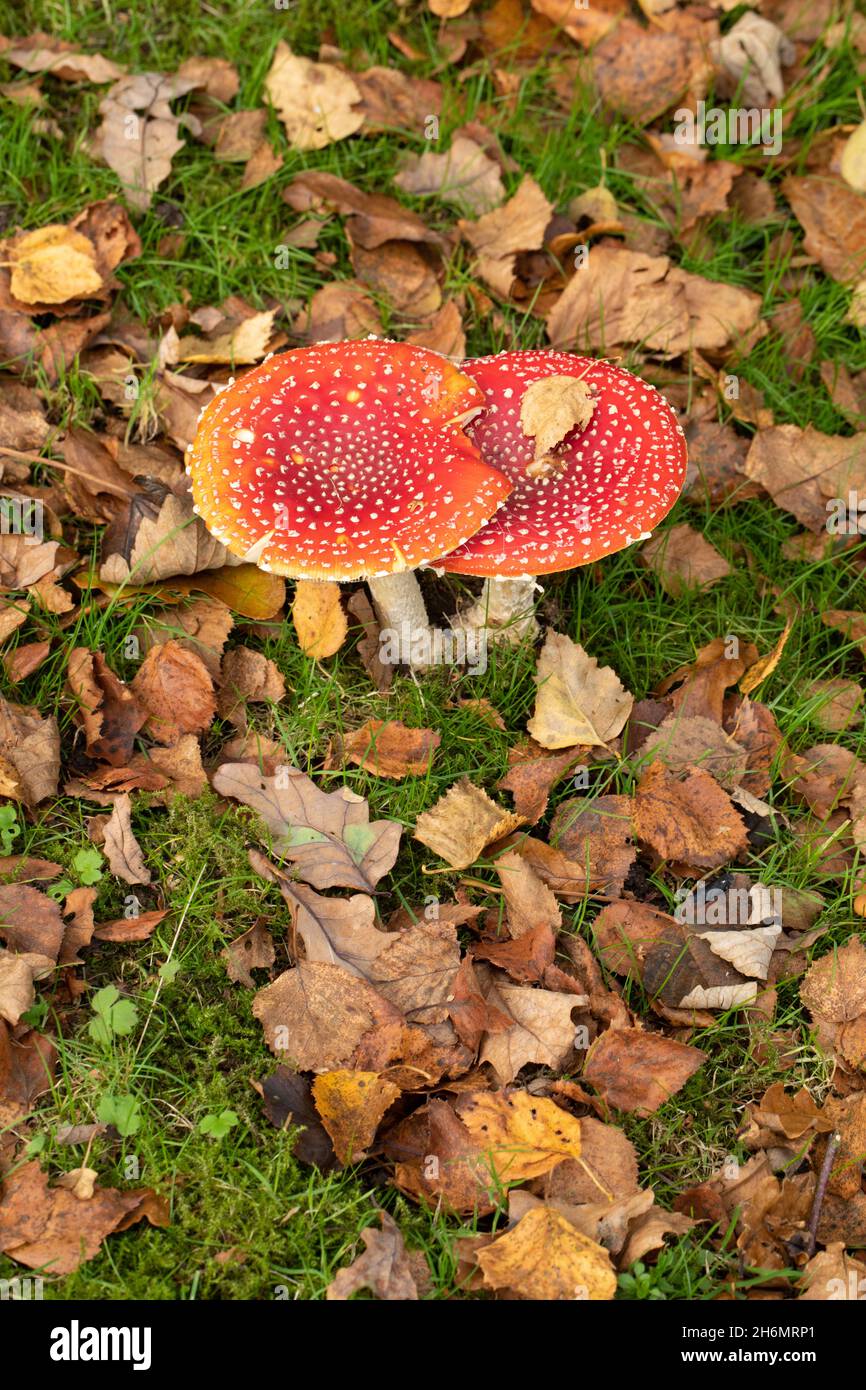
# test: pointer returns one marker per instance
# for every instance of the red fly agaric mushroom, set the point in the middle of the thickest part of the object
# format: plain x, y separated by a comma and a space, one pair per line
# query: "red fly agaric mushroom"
597, 459
346, 461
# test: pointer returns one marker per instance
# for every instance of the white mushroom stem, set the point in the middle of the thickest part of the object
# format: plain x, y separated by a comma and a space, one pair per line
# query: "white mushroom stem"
405, 636
505, 607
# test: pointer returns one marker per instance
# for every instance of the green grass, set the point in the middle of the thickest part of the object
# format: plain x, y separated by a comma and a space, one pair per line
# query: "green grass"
287, 1228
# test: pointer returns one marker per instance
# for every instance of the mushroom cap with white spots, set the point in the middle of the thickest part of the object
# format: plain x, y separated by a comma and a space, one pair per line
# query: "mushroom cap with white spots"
343, 461
620, 474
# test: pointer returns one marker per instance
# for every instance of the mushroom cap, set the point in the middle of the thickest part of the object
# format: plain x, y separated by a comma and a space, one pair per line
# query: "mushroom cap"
343, 461
621, 473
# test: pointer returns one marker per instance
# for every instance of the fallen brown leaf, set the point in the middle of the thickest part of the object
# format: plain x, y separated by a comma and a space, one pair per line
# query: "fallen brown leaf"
352, 1105
327, 835
463, 823
388, 748
578, 702
318, 617
638, 1071
384, 1267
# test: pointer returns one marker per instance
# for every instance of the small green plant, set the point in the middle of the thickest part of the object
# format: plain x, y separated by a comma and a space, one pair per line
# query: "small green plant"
218, 1126
87, 865
115, 1017
123, 1112
9, 828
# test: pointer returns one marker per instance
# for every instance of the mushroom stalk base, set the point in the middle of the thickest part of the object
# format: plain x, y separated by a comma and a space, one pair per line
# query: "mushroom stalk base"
505, 608
405, 628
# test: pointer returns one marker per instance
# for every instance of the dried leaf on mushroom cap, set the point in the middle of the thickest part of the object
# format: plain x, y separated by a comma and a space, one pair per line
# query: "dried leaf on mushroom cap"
343, 461
622, 471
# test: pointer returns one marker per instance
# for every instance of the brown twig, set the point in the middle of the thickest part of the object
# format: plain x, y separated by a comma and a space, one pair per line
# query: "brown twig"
833, 1142
101, 484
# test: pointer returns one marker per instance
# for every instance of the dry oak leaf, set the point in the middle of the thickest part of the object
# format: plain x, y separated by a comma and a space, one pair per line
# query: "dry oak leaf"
17, 973
577, 701
317, 103
637, 1071
48, 1228
30, 921
464, 175
804, 471
352, 1105
689, 822
52, 266
833, 216
624, 296
389, 748
29, 754
121, 847
23, 564
546, 1257
139, 134
497, 237
385, 1267
175, 688
542, 1030
519, 1135
327, 835
318, 616
463, 823
469, 1011
108, 711
527, 958
216, 77
315, 1015
683, 559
